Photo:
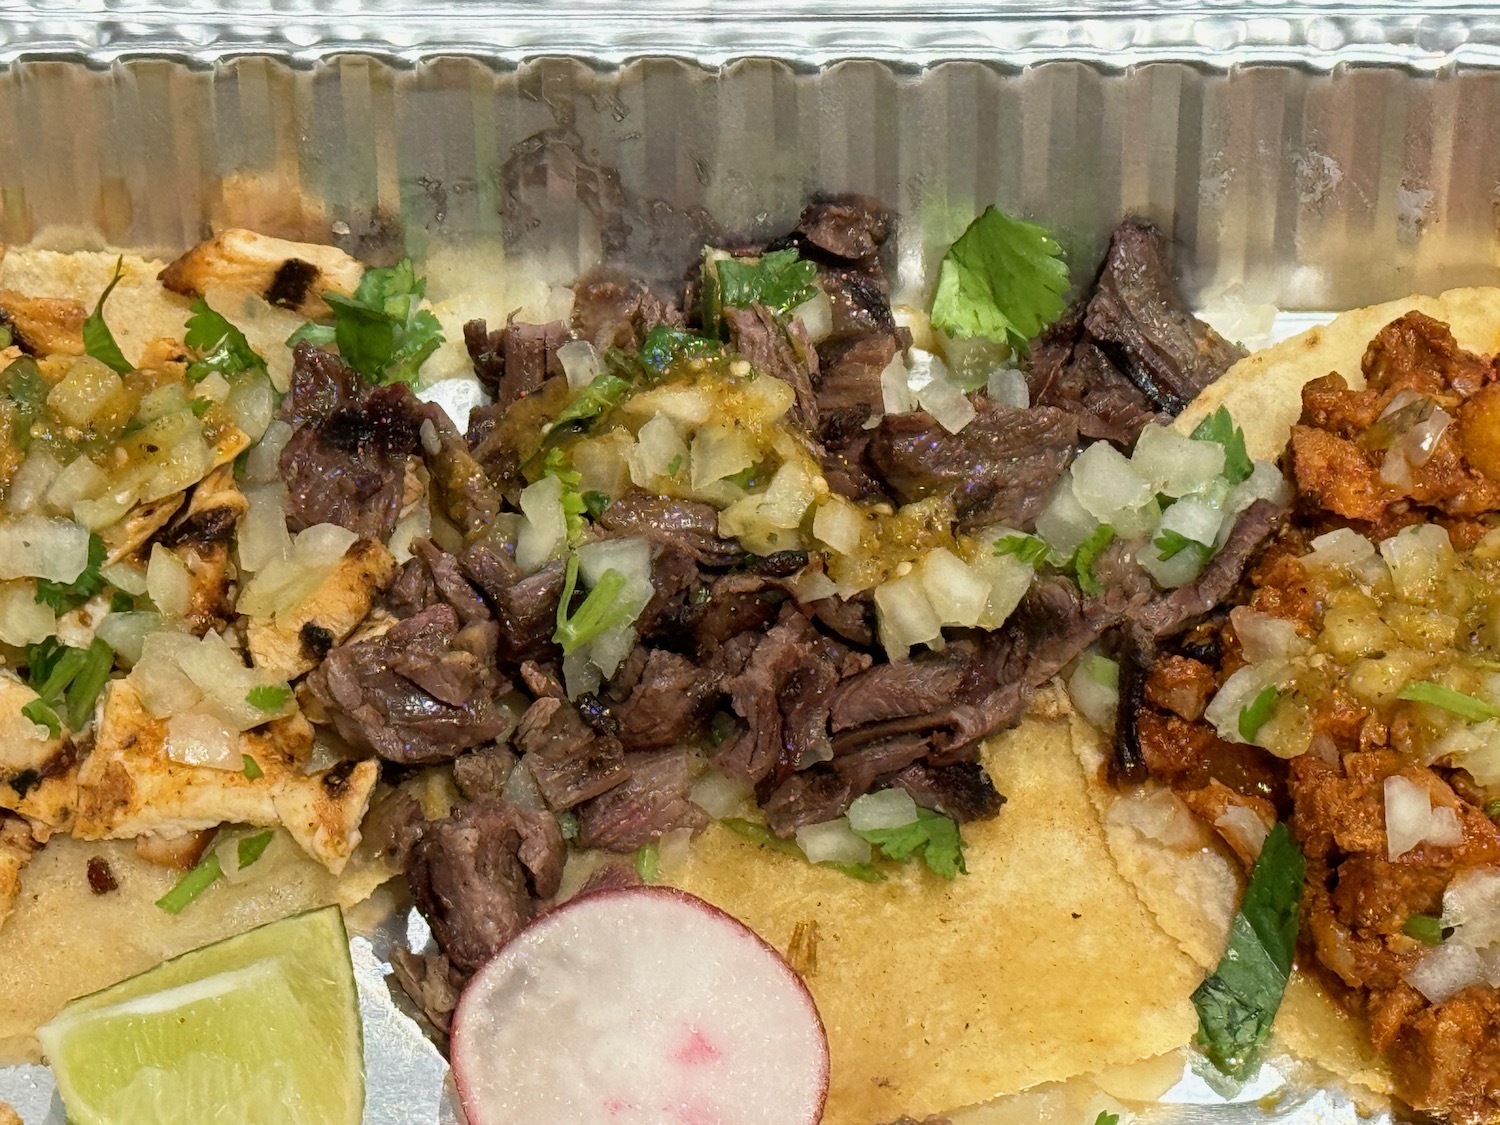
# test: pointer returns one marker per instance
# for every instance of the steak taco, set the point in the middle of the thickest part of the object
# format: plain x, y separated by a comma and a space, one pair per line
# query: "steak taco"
764, 586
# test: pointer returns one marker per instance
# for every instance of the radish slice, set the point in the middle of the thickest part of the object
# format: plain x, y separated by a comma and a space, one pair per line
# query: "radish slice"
642, 1006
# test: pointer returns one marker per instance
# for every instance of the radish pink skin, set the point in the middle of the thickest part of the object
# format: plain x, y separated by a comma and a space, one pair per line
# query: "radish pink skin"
477, 1114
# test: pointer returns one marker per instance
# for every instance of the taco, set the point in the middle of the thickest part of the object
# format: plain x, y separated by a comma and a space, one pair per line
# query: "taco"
759, 589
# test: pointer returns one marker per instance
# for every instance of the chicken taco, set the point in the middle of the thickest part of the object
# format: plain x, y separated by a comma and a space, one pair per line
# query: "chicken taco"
764, 586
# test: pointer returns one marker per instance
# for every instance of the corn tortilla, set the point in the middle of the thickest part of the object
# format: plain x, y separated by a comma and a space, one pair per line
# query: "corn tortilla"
1037, 966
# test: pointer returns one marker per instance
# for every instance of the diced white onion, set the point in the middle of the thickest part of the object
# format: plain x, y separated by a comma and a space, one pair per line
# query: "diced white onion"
126, 633
630, 557
23, 620
87, 386
213, 387
108, 509
34, 546
251, 402
1446, 970
1107, 484
816, 315
1263, 637
195, 739
416, 524
1008, 386
763, 399
895, 391
322, 545
957, 595
673, 850
948, 405
755, 519
520, 788
263, 537
1175, 464
833, 841
1419, 443
1265, 482
1237, 693
1240, 824
905, 615
168, 581
1157, 814
1009, 578
580, 363
609, 649
688, 406
177, 672
659, 449
127, 576
31, 482
1170, 573
1095, 692
601, 463
1416, 556
719, 795
1339, 548
1064, 523
1471, 905
263, 462
580, 675
812, 584
543, 534
886, 808
1193, 519
840, 524
718, 452
1444, 829
1408, 816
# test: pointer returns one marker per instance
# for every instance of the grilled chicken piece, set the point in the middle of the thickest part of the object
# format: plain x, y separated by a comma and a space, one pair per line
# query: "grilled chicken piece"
216, 506
142, 522
43, 325
16, 846
292, 275
128, 785
36, 778
295, 642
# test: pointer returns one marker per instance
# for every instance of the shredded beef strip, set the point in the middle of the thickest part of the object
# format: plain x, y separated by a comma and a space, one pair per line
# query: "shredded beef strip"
514, 361
613, 311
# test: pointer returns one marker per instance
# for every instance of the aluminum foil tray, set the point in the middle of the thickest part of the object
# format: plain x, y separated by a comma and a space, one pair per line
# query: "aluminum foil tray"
1304, 158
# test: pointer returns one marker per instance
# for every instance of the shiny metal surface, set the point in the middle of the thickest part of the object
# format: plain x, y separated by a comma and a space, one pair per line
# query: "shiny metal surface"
1304, 158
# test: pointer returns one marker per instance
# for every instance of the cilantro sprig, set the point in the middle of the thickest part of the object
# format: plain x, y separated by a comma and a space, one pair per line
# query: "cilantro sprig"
98, 340
1028, 548
1237, 1004
1004, 279
1219, 427
780, 281
933, 837
221, 347
67, 681
1082, 563
382, 331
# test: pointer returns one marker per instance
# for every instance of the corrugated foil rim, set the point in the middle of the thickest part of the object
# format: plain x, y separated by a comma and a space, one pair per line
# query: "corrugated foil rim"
1111, 34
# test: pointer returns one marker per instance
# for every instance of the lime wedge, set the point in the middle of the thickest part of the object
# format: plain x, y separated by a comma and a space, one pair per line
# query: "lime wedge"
263, 1028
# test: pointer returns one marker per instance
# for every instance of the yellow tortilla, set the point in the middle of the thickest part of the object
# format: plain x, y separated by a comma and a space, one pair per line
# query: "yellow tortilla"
1264, 391
1039, 965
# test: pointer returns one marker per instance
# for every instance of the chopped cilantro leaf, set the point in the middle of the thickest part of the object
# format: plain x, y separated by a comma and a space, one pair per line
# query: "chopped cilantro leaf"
599, 397
220, 345
674, 466
646, 858
121, 602
251, 768
1258, 711
779, 280
558, 464
933, 835
665, 345
382, 331
269, 697
191, 885
1087, 554
1426, 928
68, 679
1107, 1118
567, 824
1003, 278
41, 714
1436, 695
1219, 427
63, 596
251, 848
594, 503
747, 478
98, 340
1170, 544
1028, 548
1238, 1002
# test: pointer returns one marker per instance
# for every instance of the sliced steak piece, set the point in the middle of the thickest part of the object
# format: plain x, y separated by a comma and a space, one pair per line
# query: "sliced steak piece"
1070, 372
669, 704
926, 683
868, 765
524, 606
849, 370
779, 348
661, 519
1175, 611
999, 469
809, 797
650, 803
569, 760
611, 311
483, 773
515, 360
850, 227
475, 876
346, 460
412, 695
962, 791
